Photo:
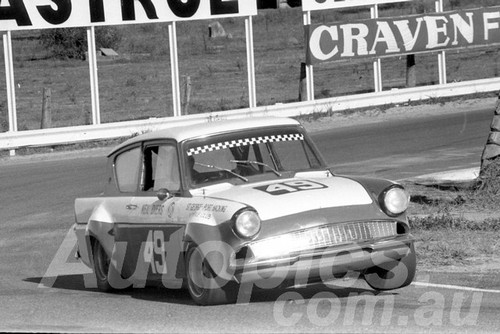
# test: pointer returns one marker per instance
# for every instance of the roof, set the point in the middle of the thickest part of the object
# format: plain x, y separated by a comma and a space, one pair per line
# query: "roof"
184, 132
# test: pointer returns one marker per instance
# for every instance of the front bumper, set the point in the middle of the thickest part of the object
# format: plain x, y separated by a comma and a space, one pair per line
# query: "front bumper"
324, 263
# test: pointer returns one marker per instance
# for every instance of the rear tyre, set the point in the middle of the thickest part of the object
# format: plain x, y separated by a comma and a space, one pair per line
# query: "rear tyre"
393, 275
101, 267
204, 286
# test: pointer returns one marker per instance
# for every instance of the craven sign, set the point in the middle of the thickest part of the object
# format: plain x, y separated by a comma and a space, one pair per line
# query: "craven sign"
403, 35
41, 14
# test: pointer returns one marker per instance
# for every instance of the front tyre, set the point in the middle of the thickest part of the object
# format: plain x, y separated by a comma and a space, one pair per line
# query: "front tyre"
204, 286
101, 267
394, 274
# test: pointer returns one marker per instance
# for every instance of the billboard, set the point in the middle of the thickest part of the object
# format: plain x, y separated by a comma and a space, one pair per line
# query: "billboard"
43, 14
310, 5
384, 37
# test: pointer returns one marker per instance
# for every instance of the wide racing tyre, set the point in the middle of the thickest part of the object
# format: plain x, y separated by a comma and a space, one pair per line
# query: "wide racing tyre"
101, 267
393, 275
204, 286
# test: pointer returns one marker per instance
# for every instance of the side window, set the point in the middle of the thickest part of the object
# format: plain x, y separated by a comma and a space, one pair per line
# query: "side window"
291, 155
160, 168
313, 160
127, 170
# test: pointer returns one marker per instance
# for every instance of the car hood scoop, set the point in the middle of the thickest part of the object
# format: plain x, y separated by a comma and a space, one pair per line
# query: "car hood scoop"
284, 197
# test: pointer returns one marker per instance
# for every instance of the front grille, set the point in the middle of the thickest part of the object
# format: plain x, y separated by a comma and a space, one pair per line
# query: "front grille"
323, 236
338, 234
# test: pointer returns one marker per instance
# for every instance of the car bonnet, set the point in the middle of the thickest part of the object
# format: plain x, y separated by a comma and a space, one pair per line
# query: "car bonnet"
283, 197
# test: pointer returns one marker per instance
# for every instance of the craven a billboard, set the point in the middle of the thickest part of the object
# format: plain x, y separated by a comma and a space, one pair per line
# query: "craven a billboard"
42, 14
384, 37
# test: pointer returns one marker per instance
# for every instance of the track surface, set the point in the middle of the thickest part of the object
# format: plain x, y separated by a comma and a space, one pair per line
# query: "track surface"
43, 289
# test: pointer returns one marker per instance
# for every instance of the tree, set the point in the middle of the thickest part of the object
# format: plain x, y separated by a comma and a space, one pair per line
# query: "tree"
489, 174
71, 43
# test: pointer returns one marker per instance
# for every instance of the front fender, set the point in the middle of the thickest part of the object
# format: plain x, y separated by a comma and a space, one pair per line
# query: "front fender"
375, 187
209, 227
217, 243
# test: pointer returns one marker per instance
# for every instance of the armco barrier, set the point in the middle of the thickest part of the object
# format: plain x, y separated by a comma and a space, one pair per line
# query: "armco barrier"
55, 136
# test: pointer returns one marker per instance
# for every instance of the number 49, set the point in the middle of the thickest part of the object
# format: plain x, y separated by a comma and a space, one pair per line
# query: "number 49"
155, 245
293, 186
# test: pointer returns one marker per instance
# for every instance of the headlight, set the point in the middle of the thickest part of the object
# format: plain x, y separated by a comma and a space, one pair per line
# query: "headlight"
246, 223
394, 201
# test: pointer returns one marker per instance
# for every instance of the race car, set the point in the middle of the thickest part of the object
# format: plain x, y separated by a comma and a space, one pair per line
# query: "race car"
225, 204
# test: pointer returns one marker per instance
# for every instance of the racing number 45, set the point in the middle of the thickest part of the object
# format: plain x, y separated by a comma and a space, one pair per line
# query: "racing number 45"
155, 245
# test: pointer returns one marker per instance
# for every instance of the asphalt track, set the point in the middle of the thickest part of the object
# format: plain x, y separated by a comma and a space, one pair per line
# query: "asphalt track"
404, 148
43, 289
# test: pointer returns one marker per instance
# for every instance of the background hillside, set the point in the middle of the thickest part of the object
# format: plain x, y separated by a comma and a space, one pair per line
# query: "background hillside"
136, 84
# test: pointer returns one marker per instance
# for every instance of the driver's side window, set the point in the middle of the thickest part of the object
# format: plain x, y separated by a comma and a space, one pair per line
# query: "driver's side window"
160, 168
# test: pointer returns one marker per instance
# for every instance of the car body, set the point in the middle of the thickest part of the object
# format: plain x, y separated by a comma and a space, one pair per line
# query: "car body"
217, 205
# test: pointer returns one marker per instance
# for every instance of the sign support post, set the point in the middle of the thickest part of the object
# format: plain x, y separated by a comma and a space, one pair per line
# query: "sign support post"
442, 54
11, 86
309, 67
94, 80
252, 99
377, 64
174, 65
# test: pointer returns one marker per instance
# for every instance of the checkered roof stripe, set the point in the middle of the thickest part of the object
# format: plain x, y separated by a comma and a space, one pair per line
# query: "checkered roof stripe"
244, 142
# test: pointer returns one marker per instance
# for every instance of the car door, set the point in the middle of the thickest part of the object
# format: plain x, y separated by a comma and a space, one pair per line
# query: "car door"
152, 234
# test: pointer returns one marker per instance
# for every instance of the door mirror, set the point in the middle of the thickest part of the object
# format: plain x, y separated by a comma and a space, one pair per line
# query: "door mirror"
163, 194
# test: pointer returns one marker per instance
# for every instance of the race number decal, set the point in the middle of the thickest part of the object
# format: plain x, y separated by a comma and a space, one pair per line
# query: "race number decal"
155, 252
291, 187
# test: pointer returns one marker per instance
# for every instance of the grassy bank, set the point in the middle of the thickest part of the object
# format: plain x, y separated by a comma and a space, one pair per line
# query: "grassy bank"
457, 224
444, 240
137, 85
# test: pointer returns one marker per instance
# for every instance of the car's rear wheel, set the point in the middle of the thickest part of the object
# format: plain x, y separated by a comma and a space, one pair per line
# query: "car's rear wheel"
205, 287
394, 274
101, 266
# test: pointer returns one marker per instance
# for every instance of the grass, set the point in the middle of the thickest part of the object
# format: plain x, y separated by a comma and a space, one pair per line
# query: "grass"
458, 224
445, 247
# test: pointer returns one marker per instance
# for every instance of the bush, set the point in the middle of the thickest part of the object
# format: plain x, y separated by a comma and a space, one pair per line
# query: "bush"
71, 43
487, 190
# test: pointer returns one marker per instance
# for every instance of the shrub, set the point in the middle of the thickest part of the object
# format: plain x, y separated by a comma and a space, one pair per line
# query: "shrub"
487, 190
71, 43
108, 37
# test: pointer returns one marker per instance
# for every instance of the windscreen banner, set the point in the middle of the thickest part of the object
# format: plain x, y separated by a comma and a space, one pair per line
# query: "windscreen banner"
383, 37
43, 14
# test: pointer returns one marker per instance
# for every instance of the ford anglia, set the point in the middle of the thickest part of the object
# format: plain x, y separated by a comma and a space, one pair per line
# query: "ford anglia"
216, 206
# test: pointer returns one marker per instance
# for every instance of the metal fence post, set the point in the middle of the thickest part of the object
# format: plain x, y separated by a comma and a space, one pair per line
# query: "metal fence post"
252, 96
11, 87
442, 54
377, 64
174, 65
309, 68
94, 80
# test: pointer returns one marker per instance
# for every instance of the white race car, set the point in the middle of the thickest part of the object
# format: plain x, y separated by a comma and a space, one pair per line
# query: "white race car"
217, 205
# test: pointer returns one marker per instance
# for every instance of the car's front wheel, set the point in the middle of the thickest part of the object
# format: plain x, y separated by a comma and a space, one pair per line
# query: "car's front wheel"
393, 274
205, 286
101, 267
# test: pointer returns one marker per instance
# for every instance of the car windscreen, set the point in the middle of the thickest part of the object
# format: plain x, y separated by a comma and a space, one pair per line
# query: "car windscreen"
242, 156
